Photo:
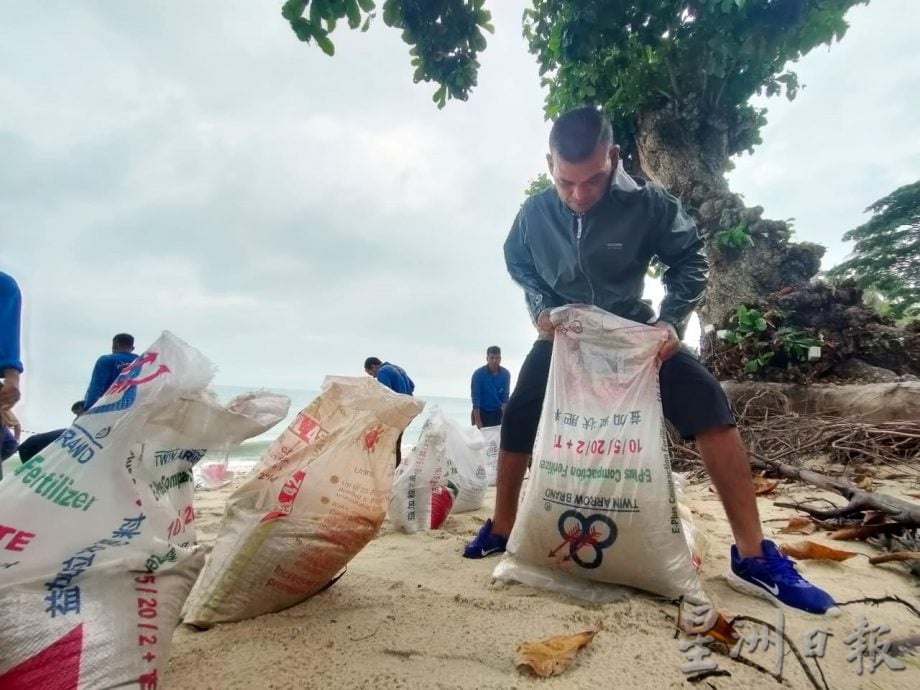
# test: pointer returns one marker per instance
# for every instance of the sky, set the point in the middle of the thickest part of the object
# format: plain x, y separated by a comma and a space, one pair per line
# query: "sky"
289, 214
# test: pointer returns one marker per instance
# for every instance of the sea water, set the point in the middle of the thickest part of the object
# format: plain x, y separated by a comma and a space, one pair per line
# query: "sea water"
250, 451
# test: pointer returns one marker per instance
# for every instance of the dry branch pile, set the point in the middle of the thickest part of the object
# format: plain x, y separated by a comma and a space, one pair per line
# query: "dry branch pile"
791, 437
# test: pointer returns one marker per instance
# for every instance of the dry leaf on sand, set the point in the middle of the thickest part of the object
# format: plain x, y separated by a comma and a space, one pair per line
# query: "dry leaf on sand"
861, 531
799, 525
896, 556
723, 631
865, 483
762, 486
552, 656
809, 550
874, 517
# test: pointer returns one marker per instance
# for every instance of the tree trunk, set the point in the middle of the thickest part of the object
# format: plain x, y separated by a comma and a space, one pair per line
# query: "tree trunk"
692, 167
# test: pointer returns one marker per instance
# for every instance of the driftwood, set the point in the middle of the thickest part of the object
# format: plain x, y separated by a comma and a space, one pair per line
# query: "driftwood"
859, 501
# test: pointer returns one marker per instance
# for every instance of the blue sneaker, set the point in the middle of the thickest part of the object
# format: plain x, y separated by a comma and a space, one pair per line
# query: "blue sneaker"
485, 543
774, 577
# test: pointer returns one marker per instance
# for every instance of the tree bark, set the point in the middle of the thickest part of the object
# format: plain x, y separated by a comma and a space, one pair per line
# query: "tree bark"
691, 165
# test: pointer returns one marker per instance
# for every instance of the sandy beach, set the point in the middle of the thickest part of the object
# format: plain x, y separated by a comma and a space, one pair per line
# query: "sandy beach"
412, 613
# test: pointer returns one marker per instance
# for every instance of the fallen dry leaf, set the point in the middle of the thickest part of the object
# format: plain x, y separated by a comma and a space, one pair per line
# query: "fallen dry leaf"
723, 631
809, 550
552, 656
762, 486
874, 517
865, 483
799, 525
862, 531
896, 556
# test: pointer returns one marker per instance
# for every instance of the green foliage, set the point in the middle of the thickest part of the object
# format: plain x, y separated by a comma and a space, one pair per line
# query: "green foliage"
748, 325
748, 322
538, 184
704, 59
735, 238
886, 257
445, 36
796, 342
759, 341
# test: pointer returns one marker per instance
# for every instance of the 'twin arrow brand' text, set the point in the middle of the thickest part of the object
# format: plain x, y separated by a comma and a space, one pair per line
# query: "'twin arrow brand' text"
57, 487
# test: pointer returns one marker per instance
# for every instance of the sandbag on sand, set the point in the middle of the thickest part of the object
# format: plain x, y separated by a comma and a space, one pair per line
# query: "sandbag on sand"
316, 498
103, 550
600, 503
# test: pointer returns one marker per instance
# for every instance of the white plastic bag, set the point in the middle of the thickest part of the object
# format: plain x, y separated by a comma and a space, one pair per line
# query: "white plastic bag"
600, 503
492, 436
316, 498
466, 454
213, 472
419, 476
102, 551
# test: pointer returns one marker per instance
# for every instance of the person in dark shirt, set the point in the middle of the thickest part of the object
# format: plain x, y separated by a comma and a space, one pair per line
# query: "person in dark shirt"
108, 367
490, 388
589, 239
36, 443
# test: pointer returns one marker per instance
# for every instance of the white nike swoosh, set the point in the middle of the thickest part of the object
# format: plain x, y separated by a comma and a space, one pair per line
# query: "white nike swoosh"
774, 590
488, 552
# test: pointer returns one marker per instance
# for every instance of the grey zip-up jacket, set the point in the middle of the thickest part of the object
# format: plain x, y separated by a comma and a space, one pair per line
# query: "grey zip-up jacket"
601, 257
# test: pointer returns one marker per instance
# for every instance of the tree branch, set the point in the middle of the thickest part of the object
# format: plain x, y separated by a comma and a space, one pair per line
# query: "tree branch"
901, 511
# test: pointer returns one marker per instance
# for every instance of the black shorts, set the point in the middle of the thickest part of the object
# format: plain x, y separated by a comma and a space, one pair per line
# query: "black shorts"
691, 398
487, 417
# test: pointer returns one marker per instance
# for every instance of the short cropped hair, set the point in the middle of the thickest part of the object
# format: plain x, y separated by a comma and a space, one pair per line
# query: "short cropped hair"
494, 350
123, 340
370, 362
577, 134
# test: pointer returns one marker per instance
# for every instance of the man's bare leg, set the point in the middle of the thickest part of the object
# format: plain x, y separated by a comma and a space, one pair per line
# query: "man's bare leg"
726, 460
511, 470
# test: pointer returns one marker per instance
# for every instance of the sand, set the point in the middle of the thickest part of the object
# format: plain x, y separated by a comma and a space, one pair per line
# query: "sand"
412, 613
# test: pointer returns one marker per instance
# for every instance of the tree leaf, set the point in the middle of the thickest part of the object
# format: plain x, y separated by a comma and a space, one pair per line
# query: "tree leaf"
809, 550
799, 525
552, 656
354, 14
390, 13
293, 9
325, 45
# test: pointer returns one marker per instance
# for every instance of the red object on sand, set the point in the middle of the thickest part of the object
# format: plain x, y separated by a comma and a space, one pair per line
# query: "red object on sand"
442, 500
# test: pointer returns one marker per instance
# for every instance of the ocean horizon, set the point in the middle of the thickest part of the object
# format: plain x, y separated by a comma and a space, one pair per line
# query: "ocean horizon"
250, 451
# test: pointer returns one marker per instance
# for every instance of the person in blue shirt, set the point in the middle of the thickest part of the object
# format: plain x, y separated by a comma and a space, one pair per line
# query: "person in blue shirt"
10, 363
396, 379
490, 388
393, 377
108, 367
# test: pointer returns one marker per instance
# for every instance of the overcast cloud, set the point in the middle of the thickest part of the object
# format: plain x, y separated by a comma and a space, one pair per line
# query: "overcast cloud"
198, 169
